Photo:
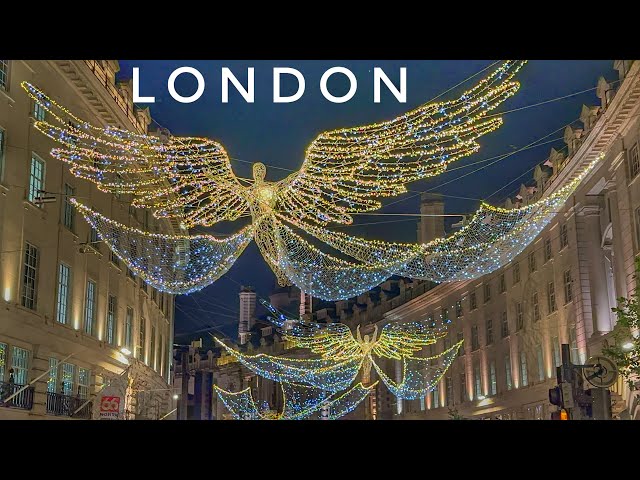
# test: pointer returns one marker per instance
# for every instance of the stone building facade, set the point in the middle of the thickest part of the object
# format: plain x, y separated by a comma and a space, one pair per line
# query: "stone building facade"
61, 291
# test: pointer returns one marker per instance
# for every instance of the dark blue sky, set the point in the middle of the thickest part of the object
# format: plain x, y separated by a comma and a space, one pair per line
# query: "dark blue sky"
277, 135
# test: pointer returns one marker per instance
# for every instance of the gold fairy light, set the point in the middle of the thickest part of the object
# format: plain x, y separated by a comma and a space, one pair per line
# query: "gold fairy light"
345, 171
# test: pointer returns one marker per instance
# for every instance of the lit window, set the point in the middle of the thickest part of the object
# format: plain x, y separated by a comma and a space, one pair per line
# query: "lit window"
3, 359
524, 378
142, 339
64, 285
568, 288
68, 378
477, 382
36, 178
112, 319
68, 212
128, 329
30, 277
90, 307
573, 344
52, 382
507, 369
551, 298
4, 74
540, 357
20, 365
39, 113
493, 382
84, 381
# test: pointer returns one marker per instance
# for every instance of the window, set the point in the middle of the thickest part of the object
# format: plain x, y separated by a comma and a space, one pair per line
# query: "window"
154, 297
487, 292
68, 378
4, 74
430, 321
90, 307
152, 346
445, 316
64, 284
504, 325
143, 286
39, 113
113, 258
473, 302
477, 382
84, 380
489, 329
524, 379
634, 161
2, 147
68, 213
460, 339
564, 236
519, 317
162, 355
516, 273
3, 360
463, 388
493, 382
503, 284
435, 397
458, 308
507, 369
532, 262
30, 276
130, 274
547, 250
112, 319
422, 404
536, 307
573, 345
142, 339
568, 289
128, 329
551, 297
36, 178
540, 358
448, 384
93, 237
53, 375
475, 344
557, 358
20, 365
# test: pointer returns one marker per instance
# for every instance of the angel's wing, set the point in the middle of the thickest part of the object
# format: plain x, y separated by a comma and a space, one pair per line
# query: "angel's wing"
402, 340
330, 340
182, 177
345, 171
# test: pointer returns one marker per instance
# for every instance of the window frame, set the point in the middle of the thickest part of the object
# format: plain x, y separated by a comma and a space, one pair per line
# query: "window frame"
31, 195
568, 286
552, 304
89, 328
67, 294
33, 305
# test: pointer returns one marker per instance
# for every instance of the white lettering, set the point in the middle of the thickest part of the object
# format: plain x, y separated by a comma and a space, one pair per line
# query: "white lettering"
247, 94
277, 98
352, 89
172, 88
136, 89
401, 95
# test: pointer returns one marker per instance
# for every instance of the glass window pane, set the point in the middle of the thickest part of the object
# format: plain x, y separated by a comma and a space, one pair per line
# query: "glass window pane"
20, 365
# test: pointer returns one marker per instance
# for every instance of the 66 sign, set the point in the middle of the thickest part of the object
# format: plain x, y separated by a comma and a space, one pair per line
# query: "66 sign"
109, 407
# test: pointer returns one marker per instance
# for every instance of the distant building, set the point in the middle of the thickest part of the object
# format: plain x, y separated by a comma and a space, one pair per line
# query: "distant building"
247, 313
431, 224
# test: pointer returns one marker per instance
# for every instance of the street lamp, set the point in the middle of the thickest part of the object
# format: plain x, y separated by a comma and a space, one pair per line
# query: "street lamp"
481, 397
125, 351
176, 396
627, 346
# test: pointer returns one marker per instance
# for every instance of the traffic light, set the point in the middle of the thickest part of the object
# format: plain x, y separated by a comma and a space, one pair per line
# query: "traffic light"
555, 396
560, 415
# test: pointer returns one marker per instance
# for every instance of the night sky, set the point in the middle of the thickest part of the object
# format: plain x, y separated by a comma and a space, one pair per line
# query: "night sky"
277, 135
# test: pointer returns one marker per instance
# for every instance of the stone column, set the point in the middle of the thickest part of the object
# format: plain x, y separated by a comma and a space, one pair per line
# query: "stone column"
618, 248
597, 274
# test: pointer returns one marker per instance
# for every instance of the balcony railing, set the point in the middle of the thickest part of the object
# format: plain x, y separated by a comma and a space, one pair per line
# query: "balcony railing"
64, 405
24, 400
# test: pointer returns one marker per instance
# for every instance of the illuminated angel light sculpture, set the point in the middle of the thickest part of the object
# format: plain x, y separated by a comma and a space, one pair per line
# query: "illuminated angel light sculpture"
300, 403
342, 356
345, 172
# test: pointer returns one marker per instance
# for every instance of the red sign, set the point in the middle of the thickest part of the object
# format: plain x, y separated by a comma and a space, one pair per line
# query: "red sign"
109, 407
